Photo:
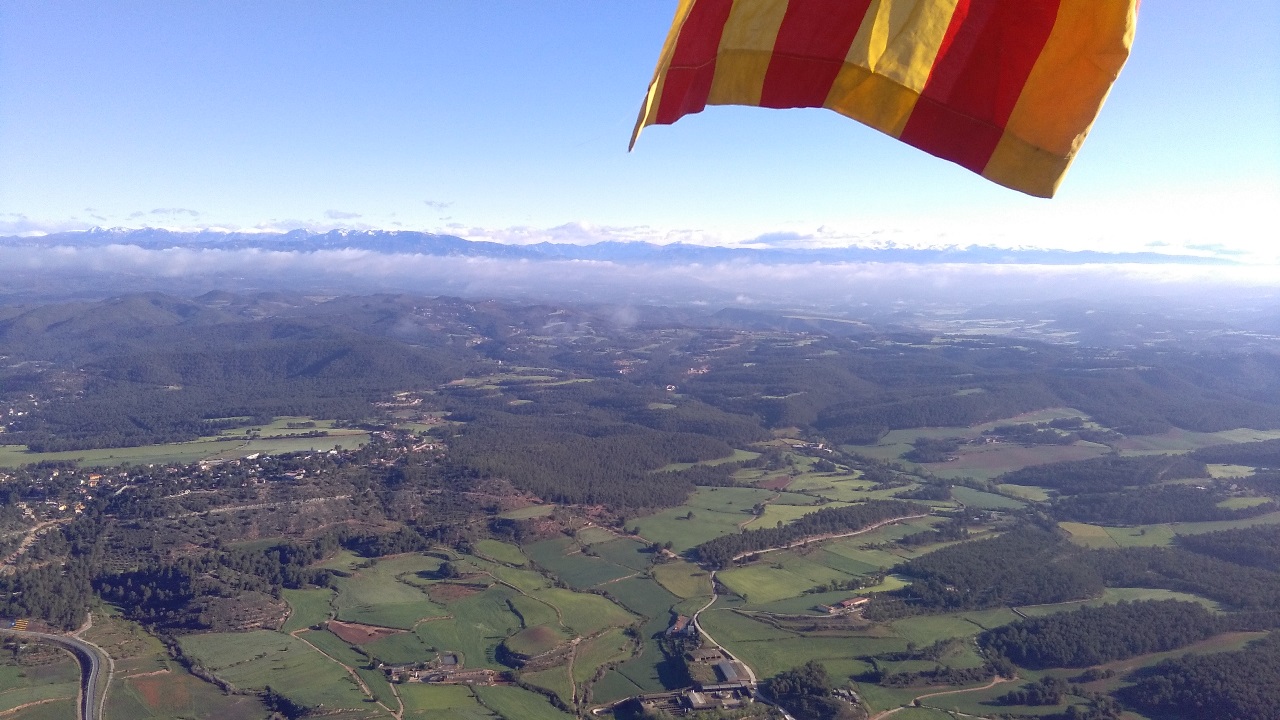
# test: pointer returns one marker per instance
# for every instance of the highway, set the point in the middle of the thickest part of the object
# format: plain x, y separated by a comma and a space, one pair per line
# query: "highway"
91, 695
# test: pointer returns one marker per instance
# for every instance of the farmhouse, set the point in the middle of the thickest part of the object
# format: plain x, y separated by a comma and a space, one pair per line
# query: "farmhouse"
716, 700
707, 655
680, 626
844, 606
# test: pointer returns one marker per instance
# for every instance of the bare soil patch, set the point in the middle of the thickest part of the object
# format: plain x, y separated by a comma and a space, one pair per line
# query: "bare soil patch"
775, 483
161, 692
445, 593
358, 634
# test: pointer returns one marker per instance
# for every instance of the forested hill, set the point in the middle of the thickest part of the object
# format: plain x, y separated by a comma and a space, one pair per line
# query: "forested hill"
146, 368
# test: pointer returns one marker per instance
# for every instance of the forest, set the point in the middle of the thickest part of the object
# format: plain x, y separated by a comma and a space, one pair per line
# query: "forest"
1239, 587
1257, 546
1146, 506
1092, 636
1026, 566
1263, 454
1240, 685
1109, 473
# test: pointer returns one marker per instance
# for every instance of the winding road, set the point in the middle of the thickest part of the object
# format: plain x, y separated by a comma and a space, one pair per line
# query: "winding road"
92, 697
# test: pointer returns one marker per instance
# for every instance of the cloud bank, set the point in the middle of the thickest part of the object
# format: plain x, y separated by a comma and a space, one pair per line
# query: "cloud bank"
129, 268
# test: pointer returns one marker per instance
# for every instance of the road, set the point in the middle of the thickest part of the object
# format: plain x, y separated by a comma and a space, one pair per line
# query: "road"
30, 535
90, 669
829, 536
751, 674
917, 701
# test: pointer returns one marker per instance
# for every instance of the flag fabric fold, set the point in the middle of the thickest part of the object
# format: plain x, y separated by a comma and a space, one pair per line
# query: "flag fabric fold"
1006, 88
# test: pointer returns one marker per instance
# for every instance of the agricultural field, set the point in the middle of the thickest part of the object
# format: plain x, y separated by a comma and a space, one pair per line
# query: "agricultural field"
15, 455
980, 702
377, 594
427, 702
770, 650
1155, 535
708, 513
984, 500
171, 694
1229, 471
148, 684
38, 674
1181, 441
987, 462
683, 579
1115, 595
307, 608
610, 647
737, 456
500, 552
59, 709
565, 559
1026, 492
254, 659
231, 443
514, 702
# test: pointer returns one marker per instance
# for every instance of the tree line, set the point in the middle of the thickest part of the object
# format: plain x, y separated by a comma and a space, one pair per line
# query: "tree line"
719, 552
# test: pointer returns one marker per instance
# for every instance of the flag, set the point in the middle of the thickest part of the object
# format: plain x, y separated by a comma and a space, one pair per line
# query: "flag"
1005, 88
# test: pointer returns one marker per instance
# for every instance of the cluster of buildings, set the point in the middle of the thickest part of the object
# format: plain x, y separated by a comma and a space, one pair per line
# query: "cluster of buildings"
446, 668
844, 606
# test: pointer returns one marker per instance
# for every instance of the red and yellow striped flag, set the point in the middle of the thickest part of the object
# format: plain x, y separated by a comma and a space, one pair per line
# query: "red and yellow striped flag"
1005, 88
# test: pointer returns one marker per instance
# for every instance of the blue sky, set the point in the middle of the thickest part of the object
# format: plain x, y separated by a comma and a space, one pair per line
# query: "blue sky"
509, 121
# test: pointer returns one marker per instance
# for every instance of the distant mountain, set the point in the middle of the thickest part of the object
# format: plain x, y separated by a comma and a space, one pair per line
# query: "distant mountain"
421, 243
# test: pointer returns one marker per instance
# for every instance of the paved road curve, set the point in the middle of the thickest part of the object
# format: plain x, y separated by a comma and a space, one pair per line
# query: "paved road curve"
90, 668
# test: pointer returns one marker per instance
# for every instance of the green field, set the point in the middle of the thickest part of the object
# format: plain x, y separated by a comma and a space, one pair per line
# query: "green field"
1181, 441
1144, 535
625, 552
22, 684
427, 702
1026, 492
683, 579
500, 552
1236, 503
565, 559
533, 611
1115, 595
585, 613
307, 608
737, 456
479, 624
612, 646
1092, 536
778, 575
716, 512
984, 500
400, 648
376, 596
227, 444
1230, 471
525, 513
537, 639
555, 679
513, 702
255, 659
988, 462
769, 651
